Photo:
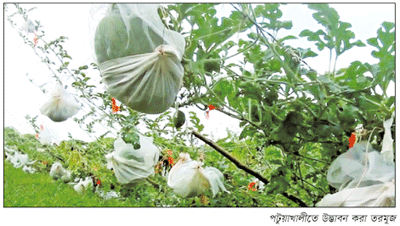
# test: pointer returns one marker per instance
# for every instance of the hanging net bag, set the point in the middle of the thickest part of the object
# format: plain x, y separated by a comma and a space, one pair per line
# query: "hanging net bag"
58, 172
189, 179
131, 164
60, 106
139, 58
363, 176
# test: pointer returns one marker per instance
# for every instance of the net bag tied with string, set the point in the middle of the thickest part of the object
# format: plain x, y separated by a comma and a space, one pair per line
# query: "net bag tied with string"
189, 179
363, 176
61, 105
358, 183
131, 164
139, 58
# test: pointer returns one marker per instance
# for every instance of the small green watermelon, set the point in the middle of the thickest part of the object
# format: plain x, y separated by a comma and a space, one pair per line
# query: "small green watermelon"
179, 119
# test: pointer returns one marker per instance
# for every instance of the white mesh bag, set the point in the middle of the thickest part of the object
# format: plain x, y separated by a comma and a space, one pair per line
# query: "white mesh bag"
189, 179
387, 142
107, 195
9, 153
57, 172
48, 135
139, 58
363, 176
8, 150
375, 195
20, 160
28, 27
358, 167
28, 169
216, 179
83, 185
131, 164
61, 105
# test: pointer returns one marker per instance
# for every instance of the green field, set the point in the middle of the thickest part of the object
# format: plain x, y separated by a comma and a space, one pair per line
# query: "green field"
22, 189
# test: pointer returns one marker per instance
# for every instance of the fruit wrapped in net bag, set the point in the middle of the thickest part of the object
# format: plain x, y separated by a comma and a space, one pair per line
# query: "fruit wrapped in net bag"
57, 172
139, 58
131, 164
61, 105
363, 176
188, 178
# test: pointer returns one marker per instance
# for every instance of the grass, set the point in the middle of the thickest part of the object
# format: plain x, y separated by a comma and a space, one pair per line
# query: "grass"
22, 189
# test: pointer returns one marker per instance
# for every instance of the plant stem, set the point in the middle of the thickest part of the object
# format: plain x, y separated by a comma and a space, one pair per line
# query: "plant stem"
330, 59
230, 157
243, 167
334, 65
153, 183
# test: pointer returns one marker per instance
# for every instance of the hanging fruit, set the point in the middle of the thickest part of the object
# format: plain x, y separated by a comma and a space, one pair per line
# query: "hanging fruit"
179, 119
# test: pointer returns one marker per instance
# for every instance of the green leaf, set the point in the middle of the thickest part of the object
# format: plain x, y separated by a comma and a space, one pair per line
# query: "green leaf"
223, 88
306, 53
242, 123
288, 37
326, 16
84, 67
359, 43
373, 42
315, 36
248, 131
275, 65
390, 101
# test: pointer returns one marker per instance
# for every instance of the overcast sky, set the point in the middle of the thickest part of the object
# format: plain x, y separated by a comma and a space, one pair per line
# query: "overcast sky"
71, 20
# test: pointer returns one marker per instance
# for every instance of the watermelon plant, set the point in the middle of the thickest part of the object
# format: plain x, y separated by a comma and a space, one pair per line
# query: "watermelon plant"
294, 121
